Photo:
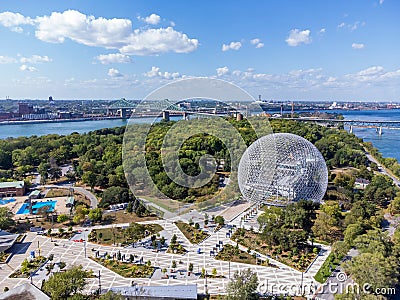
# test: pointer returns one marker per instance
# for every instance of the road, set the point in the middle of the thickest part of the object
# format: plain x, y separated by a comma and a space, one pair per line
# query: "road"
337, 281
382, 169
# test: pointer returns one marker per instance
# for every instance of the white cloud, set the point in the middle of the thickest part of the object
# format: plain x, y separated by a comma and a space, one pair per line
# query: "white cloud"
322, 31
7, 60
101, 32
153, 19
222, 71
381, 2
155, 41
155, 72
297, 37
114, 73
17, 29
9, 19
34, 59
357, 46
27, 68
352, 26
232, 46
257, 43
113, 58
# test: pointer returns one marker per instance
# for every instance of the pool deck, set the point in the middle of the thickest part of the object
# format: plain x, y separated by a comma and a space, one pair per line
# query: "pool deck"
60, 207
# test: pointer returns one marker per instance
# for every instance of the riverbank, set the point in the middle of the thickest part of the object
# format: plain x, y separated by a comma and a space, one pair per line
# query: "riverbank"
20, 122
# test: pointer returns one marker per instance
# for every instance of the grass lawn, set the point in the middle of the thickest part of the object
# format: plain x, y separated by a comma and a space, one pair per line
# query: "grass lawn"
121, 216
28, 267
298, 258
119, 235
167, 204
124, 269
330, 264
194, 235
53, 193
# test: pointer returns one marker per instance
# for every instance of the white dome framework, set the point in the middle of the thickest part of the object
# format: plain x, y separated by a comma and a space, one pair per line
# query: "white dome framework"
282, 168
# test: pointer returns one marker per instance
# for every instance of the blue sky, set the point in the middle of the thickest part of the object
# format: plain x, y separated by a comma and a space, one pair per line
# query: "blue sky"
297, 50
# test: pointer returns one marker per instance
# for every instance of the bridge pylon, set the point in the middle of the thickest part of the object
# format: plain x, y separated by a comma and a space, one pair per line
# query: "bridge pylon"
351, 129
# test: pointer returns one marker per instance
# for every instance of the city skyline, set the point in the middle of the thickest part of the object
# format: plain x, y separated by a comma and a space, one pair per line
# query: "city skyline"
287, 50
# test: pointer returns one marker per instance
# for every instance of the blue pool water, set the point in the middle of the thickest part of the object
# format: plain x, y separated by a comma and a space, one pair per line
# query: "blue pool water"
5, 201
25, 210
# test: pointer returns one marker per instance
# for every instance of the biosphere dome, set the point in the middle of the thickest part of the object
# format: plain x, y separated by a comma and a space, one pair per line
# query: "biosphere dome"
282, 168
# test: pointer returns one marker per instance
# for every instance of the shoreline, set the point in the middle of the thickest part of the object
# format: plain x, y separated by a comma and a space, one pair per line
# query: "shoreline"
59, 120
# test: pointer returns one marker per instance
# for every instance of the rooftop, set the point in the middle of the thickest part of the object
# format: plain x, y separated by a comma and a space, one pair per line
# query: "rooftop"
165, 291
34, 193
7, 240
12, 184
25, 291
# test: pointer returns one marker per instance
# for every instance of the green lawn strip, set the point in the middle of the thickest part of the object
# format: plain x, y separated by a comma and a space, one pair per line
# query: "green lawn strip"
299, 258
171, 206
124, 236
330, 264
27, 267
127, 270
194, 235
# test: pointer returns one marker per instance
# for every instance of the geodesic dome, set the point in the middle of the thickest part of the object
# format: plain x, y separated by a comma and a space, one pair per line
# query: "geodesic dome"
282, 168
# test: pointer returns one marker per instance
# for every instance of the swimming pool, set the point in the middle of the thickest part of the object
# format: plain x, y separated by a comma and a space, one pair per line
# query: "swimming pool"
5, 201
25, 210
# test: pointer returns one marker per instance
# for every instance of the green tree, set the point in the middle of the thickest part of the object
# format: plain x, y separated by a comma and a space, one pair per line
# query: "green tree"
62, 218
96, 214
89, 178
374, 241
243, 286
6, 218
65, 284
111, 296
219, 220
351, 232
373, 269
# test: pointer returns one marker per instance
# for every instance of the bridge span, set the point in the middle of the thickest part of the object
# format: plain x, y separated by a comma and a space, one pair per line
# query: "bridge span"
351, 123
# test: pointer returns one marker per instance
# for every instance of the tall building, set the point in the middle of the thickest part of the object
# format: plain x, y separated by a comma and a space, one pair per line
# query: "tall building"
25, 108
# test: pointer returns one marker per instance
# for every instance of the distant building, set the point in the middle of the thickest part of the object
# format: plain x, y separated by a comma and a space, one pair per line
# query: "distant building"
10, 189
25, 108
35, 116
7, 240
34, 194
165, 292
25, 291
361, 183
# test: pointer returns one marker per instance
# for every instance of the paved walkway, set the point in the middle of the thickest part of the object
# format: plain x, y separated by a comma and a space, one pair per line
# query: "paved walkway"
271, 279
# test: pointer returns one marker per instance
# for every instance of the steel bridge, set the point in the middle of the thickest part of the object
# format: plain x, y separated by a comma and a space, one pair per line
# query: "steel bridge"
377, 124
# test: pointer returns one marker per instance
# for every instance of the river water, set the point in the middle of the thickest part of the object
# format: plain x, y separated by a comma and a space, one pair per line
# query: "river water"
388, 143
